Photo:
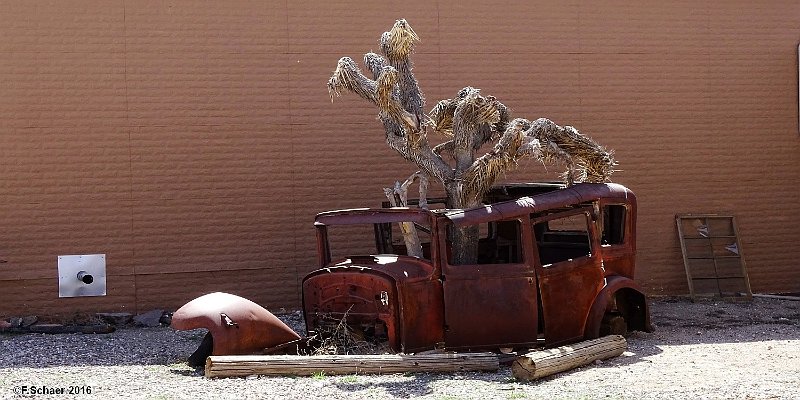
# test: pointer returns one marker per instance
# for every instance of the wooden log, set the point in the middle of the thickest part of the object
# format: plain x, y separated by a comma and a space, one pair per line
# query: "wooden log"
537, 364
230, 366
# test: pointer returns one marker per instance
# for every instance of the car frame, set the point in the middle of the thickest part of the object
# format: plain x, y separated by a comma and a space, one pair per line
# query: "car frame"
533, 285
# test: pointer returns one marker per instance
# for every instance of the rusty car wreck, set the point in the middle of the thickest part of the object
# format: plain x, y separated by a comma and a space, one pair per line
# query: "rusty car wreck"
555, 265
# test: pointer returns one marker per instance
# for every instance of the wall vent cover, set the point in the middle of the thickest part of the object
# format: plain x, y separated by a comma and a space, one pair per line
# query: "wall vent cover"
82, 275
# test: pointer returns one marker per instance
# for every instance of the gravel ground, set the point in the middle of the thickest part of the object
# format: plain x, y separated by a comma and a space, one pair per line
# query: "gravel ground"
704, 350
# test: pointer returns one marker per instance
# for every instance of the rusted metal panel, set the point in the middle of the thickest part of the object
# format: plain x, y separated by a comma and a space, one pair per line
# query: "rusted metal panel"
571, 196
489, 312
366, 299
605, 302
568, 290
237, 325
398, 296
374, 215
569, 287
619, 260
422, 315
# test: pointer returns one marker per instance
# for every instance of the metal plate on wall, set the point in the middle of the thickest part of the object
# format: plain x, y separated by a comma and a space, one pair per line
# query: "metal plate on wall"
82, 275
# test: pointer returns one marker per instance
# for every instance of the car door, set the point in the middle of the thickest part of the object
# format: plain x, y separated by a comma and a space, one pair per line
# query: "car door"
492, 303
569, 271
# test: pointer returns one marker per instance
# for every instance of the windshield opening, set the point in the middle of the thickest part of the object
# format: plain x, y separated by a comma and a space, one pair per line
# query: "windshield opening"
346, 241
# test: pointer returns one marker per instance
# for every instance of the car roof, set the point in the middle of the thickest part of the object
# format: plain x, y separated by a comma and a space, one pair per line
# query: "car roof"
557, 199
552, 196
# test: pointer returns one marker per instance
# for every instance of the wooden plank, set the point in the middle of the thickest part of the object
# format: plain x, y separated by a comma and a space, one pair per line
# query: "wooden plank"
686, 263
237, 366
777, 297
740, 252
537, 364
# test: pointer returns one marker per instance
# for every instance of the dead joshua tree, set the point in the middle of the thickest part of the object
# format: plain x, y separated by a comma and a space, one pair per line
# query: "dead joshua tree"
469, 122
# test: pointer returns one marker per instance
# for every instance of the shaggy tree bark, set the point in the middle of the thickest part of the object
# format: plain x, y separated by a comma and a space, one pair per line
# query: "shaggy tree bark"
469, 121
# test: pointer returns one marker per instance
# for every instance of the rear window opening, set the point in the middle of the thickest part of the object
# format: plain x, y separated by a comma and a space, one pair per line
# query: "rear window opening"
613, 223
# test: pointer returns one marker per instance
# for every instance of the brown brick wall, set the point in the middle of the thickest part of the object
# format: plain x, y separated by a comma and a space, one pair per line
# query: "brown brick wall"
192, 142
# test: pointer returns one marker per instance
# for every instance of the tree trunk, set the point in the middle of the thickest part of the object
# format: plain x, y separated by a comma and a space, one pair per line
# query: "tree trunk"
463, 240
537, 364
464, 245
230, 366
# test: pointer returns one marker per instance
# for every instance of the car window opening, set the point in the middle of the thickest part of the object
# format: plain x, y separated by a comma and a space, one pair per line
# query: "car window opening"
499, 242
563, 238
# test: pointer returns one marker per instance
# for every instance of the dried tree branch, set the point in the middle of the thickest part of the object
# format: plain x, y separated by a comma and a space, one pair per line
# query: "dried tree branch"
472, 111
387, 100
398, 197
348, 76
421, 154
382, 92
375, 64
441, 116
397, 121
586, 160
396, 93
397, 45
447, 146
480, 176
423, 191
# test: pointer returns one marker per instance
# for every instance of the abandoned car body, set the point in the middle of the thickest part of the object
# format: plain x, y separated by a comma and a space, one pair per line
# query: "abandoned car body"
554, 267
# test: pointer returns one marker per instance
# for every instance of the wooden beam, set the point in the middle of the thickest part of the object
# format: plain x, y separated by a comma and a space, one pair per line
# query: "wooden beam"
231, 366
537, 364
777, 297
